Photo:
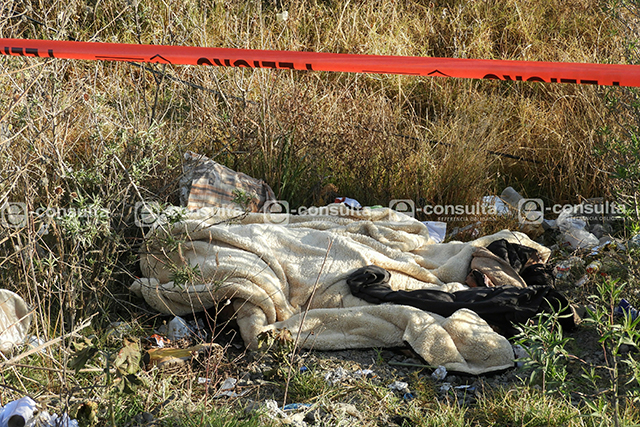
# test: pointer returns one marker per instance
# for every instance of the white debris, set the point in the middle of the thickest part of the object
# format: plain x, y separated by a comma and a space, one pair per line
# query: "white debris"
20, 413
364, 373
439, 374
15, 319
178, 329
227, 387
400, 386
336, 376
445, 387
437, 230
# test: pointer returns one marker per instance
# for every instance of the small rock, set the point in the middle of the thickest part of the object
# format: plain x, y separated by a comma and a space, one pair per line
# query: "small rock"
401, 420
315, 416
251, 407
387, 354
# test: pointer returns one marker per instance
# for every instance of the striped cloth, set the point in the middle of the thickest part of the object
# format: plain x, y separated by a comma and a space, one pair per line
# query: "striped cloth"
206, 183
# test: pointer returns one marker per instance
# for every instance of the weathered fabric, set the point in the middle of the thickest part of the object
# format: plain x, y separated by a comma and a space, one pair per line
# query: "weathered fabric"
15, 319
206, 183
502, 307
279, 275
508, 264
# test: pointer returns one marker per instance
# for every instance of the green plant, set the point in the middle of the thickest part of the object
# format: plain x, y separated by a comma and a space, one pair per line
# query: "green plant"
614, 334
243, 199
622, 148
543, 340
185, 275
307, 386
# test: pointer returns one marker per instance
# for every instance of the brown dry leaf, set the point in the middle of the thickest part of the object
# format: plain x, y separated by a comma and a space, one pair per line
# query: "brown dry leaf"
128, 360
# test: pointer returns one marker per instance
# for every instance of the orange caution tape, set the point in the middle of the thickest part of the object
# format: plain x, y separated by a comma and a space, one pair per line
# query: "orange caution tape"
553, 72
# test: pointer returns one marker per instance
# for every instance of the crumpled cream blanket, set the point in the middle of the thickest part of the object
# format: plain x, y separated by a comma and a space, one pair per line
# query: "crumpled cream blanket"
274, 273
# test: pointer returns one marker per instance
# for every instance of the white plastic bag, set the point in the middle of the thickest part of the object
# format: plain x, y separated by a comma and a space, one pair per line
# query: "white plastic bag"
15, 319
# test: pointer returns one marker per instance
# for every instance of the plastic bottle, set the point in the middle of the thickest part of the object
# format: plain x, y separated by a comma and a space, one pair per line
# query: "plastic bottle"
562, 269
574, 231
594, 267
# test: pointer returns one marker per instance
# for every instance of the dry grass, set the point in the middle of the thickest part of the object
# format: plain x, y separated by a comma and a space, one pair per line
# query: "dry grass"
103, 135
338, 128
100, 134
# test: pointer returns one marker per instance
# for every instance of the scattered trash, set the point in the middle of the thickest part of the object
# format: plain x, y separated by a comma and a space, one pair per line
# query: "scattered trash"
352, 203
15, 319
445, 387
44, 419
316, 416
471, 229
574, 231
635, 241
511, 197
304, 369
400, 386
564, 268
171, 357
583, 281
20, 413
520, 354
594, 267
202, 380
206, 183
408, 396
295, 406
159, 341
228, 384
273, 410
625, 307
495, 204
437, 230
282, 16
599, 230
178, 329
466, 387
227, 387
364, 373
596, 250
439, 374
35, 342
341, 410
336, 376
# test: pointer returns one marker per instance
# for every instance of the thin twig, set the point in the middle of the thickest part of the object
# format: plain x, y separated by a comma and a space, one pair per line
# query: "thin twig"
49, 343
304, 316
8, 73
22, 95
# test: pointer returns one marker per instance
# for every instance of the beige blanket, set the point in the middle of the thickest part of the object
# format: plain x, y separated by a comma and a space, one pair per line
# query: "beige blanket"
273, 273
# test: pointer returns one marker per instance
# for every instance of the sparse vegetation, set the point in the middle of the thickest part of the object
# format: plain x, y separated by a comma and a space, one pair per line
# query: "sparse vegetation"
83, 143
